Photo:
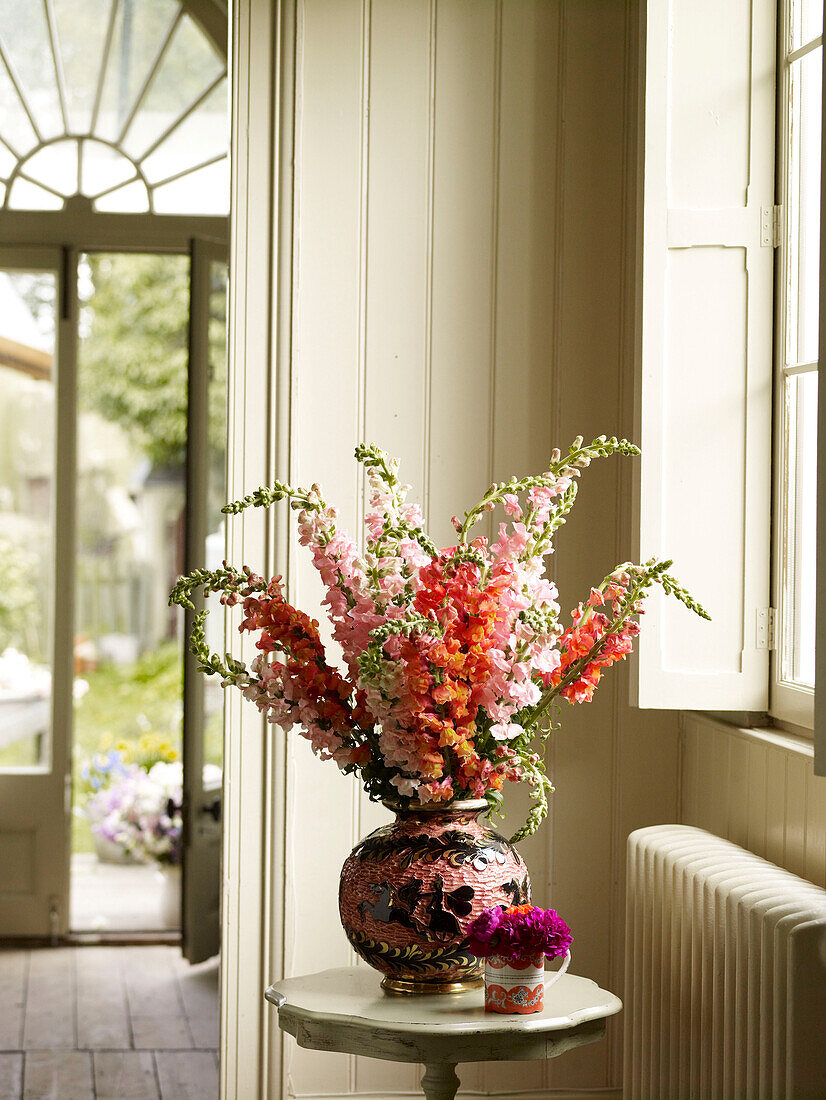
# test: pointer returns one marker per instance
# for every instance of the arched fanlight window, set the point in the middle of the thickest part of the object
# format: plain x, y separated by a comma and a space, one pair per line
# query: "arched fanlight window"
122, 101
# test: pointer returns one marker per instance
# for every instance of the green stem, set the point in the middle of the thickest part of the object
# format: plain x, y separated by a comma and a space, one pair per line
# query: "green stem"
569, 465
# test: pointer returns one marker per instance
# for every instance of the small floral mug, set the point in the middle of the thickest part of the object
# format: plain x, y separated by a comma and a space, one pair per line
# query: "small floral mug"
518, 985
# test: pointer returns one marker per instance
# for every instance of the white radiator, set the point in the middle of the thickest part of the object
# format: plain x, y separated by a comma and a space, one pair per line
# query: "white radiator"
725, 973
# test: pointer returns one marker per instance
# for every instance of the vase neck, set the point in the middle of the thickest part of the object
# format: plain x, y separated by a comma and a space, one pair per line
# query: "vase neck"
461, 809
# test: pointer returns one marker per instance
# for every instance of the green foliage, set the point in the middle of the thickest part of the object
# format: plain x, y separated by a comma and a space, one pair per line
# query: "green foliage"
19, 603
135, 352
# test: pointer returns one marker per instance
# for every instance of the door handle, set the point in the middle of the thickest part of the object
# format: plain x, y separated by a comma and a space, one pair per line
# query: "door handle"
213, 808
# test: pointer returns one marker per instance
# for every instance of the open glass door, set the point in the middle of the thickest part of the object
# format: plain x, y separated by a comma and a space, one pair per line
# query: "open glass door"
205, 541
37, 448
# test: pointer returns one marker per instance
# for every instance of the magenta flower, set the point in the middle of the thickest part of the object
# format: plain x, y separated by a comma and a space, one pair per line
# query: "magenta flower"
519, 931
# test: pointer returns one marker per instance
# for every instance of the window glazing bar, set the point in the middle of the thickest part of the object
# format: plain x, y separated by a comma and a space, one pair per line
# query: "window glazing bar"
793, 369
801, 51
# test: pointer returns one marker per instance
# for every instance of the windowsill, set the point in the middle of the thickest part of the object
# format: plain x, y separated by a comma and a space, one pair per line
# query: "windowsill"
784, 739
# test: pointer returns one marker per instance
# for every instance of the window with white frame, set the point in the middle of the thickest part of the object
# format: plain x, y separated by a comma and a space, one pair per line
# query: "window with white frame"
799, 161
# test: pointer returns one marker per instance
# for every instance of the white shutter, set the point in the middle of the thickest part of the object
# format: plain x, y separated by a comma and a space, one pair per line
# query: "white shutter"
705, 383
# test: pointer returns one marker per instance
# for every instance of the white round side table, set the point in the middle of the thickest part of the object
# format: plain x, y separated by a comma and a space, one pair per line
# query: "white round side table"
345, 1010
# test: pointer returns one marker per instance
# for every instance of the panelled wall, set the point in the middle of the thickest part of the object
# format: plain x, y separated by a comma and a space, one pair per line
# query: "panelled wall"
461, 294
756, 789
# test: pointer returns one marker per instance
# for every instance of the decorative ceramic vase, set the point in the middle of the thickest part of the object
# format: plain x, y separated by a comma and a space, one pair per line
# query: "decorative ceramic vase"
410, 889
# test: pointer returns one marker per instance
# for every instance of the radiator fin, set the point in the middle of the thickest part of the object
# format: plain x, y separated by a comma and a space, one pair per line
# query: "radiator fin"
725, 973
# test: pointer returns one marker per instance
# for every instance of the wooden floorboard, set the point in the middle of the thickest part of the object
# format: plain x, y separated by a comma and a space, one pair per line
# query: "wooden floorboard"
58, 1075
199, 991
102, 1015
152, 982
11, 1075
14, 970
125, 1075
187, 1075
49, 1021
107, 1023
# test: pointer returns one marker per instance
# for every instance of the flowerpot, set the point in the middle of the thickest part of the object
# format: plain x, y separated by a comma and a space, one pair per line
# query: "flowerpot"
518, 985
109, 851
409, 890
170, 895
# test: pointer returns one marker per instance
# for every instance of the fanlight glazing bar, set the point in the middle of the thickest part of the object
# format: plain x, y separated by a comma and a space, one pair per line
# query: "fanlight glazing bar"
57, 61
104, 64
138, 177
4, 57
19, 174
159, 56
187, 171
182, 118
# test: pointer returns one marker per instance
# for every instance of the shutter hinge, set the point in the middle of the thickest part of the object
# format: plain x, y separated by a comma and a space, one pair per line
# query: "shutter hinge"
765, 628
771, 226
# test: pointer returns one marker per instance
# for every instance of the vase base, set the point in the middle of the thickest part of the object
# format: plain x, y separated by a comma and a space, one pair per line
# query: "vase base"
400, 987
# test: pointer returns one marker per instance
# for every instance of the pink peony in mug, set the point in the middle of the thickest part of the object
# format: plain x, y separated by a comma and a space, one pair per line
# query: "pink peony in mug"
514, 943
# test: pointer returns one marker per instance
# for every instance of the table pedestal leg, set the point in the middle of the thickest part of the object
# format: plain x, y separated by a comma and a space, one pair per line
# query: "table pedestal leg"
440, 1081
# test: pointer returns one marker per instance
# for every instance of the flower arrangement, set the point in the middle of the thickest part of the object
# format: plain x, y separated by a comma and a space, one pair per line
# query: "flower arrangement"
141, 812
101, 771
518, 932
453, 657
150, 748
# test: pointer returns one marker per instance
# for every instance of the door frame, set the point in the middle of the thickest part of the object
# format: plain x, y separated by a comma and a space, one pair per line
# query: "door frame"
262, 234
35, 800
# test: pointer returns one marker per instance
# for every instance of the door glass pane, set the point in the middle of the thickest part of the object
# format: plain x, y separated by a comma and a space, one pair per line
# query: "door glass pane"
132, 422
216, 521
27, 463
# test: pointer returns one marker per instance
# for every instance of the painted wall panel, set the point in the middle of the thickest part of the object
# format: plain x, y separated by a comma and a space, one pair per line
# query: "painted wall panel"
783, 816
463, 294
326, 421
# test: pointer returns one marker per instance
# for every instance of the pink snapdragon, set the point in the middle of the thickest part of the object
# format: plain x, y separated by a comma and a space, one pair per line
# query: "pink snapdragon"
452, 656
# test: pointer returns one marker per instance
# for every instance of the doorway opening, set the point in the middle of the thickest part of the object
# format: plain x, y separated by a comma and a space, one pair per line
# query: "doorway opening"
133, 419
131, 502
113, 227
